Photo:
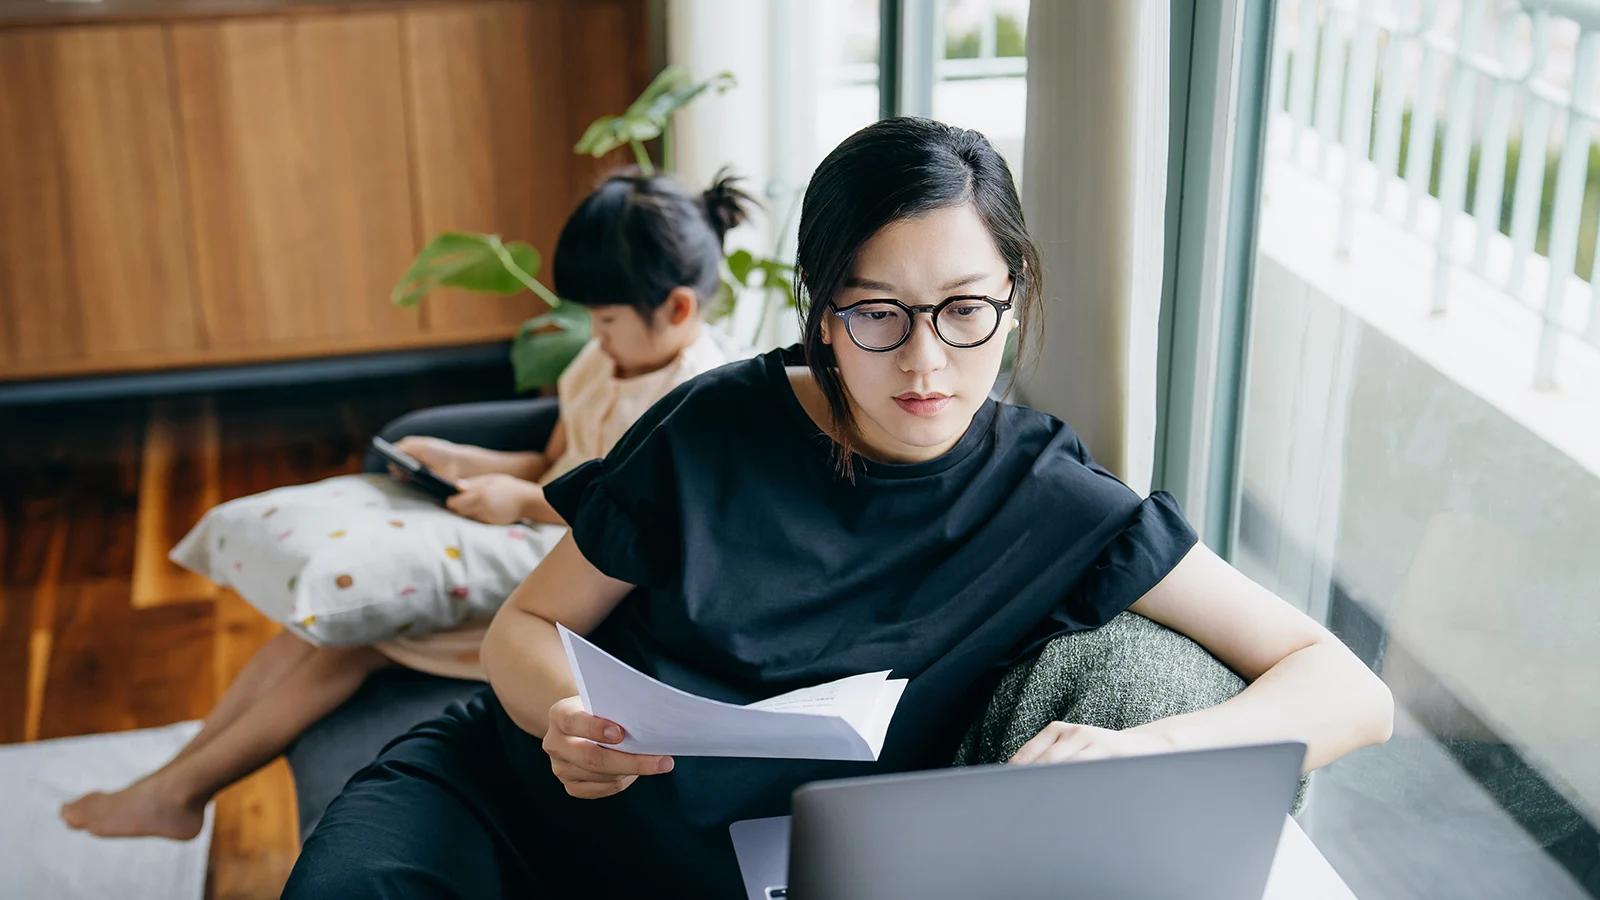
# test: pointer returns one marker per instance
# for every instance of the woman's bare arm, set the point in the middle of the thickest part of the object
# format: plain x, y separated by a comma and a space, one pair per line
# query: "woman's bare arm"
522, 652
1304, 684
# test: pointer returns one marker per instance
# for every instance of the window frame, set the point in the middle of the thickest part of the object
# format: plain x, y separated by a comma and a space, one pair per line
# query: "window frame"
1221, 59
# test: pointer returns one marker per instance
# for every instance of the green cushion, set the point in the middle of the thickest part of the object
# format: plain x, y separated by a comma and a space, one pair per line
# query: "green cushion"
1128, 672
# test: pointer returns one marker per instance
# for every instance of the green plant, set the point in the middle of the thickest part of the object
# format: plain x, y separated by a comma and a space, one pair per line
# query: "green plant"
483, 263
771, 276
474, 262
546, 344
646, 119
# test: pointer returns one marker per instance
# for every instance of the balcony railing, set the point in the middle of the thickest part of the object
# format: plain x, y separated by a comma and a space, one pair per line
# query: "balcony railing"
1378, 89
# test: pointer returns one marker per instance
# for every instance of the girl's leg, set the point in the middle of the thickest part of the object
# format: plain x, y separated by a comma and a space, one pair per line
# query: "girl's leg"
171, 801
276, 658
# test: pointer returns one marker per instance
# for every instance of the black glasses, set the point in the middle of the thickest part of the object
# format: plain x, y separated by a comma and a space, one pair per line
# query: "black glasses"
962, 322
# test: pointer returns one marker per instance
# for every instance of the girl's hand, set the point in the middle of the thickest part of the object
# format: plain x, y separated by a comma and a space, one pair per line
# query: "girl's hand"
443, 457
1061, 741
494, 499
588, 770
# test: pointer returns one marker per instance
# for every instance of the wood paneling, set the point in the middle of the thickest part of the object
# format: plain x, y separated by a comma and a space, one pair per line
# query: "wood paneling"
57, 12
244, 180
130, 255
488, 92
36, 287
94, 251
604, 45
295, 134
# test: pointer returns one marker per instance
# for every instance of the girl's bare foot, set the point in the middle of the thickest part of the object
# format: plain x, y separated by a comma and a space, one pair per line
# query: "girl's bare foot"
142, 809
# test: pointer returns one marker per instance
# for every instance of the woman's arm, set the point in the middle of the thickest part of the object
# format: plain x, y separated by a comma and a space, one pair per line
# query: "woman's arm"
522, 652
1303, 683
527, 668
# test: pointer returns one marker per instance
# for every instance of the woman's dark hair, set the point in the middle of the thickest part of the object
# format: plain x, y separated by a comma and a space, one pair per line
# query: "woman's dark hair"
898, 169
637, 237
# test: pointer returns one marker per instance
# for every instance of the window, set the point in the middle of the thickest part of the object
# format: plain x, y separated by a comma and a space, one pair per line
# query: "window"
964, 62
1418, 458
847, 97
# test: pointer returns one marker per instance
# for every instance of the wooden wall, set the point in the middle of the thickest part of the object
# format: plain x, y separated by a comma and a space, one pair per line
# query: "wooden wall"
212, 189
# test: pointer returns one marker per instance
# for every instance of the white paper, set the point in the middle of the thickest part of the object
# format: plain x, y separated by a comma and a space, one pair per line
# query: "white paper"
845, 719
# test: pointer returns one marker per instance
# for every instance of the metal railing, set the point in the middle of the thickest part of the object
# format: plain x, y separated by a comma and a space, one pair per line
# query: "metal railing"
1366, 76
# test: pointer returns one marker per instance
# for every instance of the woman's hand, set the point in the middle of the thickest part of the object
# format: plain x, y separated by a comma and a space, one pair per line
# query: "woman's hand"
445, 458
1061, 741
588, 770
495, 499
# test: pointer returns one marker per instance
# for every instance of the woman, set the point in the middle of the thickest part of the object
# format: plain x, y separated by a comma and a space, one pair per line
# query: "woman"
852, 505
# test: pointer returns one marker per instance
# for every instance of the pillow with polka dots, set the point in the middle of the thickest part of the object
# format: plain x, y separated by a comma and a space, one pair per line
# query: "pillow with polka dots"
361, 559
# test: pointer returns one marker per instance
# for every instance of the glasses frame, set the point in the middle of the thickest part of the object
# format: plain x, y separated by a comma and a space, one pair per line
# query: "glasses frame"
933, 310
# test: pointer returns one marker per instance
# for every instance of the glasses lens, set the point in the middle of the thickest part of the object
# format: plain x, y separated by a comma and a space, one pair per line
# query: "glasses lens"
877, 326
968, 321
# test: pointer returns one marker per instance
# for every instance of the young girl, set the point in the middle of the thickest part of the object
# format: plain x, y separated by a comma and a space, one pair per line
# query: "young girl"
644, 258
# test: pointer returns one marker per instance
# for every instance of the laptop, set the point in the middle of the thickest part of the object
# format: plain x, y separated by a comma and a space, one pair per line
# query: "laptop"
1202, 825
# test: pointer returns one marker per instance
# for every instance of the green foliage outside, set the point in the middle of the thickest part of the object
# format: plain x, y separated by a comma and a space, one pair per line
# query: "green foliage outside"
1009, 40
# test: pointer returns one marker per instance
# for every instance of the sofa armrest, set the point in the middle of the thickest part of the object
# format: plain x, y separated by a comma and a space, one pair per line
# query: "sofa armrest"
497, 425
1126, 673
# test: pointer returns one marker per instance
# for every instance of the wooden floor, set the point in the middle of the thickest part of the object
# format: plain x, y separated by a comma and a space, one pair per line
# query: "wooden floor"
99, 632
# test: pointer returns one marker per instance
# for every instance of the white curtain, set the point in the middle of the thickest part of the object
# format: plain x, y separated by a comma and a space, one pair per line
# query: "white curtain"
1094, 188
707, 37
763, 128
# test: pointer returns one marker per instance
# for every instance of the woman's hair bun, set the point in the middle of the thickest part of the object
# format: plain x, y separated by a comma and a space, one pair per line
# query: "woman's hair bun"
727, 205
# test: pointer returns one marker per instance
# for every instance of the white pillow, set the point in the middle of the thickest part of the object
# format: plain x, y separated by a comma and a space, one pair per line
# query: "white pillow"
360, 559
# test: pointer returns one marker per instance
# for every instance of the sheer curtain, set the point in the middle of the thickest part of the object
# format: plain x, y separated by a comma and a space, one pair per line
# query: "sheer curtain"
1094, 189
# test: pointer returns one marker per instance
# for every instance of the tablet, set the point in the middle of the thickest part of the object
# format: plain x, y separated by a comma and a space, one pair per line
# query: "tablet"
418, 475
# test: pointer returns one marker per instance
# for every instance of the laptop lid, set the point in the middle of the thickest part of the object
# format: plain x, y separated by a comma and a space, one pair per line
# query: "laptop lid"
1201, 825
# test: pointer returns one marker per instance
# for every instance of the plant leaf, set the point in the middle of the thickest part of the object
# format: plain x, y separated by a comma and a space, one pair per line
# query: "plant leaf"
741, 263
463, 260
600, 137
726, 299
546, 345
660, 108
670, 79
778, 275
647, 117
640, 128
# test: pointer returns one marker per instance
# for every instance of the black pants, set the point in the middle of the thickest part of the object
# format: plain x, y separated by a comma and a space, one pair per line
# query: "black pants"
445, 812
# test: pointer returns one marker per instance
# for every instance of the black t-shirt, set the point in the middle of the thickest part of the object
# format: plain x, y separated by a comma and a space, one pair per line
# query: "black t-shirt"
760, 569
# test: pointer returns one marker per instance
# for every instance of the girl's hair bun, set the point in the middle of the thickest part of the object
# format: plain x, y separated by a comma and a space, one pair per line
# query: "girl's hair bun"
727, 205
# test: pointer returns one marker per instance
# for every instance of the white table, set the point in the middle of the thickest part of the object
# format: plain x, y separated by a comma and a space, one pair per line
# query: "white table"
1299, 871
